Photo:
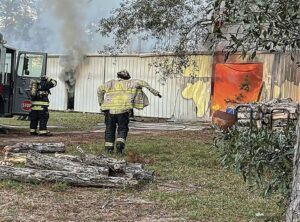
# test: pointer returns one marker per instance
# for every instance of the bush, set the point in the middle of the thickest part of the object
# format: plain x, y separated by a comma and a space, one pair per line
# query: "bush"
263, 157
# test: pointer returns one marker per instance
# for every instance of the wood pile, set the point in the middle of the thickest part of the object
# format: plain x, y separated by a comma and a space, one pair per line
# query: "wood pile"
82, 170
274, 113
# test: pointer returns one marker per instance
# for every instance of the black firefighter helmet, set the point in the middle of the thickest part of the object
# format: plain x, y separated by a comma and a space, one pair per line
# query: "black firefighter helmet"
123, 74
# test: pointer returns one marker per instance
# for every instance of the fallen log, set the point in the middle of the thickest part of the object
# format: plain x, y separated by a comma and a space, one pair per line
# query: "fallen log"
15, 157
135, 171
76, 179
113, 164
38, 147
88, 159
5, 163
40, 161
67, 157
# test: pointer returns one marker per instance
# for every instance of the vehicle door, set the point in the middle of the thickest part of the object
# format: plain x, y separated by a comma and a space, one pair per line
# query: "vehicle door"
6, 81
30, 66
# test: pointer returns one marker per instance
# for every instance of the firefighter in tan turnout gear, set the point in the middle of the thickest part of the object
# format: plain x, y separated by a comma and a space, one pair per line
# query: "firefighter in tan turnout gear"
116, 99
39, 114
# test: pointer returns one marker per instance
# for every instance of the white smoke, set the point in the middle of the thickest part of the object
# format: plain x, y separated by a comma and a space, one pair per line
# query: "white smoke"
70, 14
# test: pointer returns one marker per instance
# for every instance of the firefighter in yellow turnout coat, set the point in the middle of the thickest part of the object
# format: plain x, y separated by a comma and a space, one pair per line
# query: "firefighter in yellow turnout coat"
116, 99
39, 114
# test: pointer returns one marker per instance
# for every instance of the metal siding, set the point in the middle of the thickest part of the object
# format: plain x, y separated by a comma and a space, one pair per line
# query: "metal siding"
90, 76
58, 97
199, 105
279, 74
97, 69
267, 61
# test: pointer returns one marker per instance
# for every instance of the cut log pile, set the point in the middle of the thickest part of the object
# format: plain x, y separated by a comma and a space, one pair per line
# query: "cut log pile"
82, 170
274, 113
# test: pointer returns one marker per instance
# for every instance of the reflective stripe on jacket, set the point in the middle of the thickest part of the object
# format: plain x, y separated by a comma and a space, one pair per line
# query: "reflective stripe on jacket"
39, 92
119, 96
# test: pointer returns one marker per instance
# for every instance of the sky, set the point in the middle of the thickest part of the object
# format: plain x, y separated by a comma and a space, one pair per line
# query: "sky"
47, 33
91, 12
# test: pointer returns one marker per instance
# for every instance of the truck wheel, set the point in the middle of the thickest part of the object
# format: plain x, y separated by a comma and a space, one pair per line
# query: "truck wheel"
1, 106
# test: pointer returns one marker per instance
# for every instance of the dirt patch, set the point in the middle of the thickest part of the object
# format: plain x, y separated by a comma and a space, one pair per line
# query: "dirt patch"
86, 137
68, 138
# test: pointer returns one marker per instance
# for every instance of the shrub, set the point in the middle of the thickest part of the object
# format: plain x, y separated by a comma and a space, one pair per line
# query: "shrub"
264, 157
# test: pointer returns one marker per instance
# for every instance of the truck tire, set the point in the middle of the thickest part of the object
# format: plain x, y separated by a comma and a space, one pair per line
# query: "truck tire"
1, 106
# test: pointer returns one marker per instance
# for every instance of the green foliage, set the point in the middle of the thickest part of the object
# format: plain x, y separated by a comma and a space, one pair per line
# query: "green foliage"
251, 25
187, 26
176, 25
16, 17
263, 157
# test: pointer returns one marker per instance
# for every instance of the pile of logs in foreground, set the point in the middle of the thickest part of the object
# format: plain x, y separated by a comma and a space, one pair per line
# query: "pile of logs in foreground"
82, 170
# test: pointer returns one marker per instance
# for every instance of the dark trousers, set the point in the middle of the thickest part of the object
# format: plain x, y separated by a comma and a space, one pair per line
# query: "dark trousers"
39, 117
116, 123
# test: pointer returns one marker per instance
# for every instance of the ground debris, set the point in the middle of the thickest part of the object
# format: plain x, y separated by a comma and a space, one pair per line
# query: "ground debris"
83, 170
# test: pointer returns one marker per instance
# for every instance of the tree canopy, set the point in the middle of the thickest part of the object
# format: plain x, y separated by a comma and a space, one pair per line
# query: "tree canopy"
176, 25
251, 25
16, 17
183, 26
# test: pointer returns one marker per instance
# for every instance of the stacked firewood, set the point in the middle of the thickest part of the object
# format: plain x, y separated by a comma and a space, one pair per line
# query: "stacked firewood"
274, 113
82, 170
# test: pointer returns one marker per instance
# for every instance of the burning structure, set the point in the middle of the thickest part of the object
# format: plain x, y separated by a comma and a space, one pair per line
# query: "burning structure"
69, 73
70, 15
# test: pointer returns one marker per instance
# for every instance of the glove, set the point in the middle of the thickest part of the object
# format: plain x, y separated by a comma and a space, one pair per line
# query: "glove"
159, 95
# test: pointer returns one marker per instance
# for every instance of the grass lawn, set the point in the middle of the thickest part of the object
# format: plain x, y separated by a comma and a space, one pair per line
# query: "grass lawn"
189, 184
63, 120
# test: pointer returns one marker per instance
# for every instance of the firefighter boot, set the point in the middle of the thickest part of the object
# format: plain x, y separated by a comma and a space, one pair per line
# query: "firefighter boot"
33, 132
45, 133
120, 147
109, 147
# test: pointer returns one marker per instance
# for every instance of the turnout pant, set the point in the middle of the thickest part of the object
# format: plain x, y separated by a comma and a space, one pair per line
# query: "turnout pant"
39, 117
116, 123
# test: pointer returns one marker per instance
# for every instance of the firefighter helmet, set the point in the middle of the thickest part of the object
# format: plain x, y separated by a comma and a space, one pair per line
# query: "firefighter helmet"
123, 74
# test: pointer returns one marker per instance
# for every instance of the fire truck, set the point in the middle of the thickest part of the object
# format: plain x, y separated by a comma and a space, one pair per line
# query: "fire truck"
17, 70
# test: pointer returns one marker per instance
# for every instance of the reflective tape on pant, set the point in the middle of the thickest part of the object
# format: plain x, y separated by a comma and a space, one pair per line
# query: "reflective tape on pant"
33, 130
37, 108
121, 140
43, 131
108, 144
40, 103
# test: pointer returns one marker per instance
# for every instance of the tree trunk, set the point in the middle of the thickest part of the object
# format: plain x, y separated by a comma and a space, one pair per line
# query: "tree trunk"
38, 147
40, 161
72, 178
293, 211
